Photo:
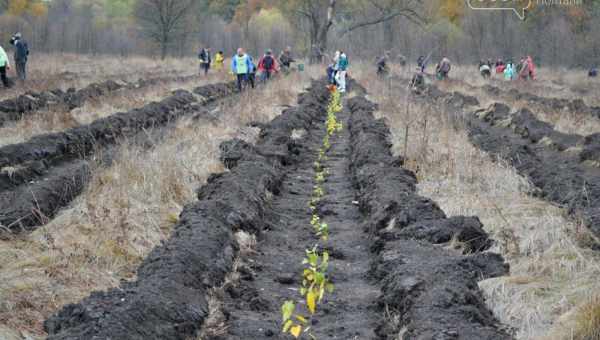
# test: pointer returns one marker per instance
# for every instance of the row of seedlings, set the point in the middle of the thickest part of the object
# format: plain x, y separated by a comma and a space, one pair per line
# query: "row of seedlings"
315, 280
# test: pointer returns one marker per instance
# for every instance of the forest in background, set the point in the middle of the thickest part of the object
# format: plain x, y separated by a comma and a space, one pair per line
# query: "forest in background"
555, 34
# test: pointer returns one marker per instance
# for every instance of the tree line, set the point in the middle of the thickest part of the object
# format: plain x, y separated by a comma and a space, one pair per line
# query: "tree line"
554, 34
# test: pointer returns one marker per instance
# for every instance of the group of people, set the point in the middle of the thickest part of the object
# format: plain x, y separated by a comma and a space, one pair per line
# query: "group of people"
442, 68
21, 55
243, 66
524, 70
337, 71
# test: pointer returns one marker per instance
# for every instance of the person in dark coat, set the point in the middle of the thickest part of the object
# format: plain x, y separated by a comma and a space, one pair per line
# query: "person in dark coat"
205, 60
21, 55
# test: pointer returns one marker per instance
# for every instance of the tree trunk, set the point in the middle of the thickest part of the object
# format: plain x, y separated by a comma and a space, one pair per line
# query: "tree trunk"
163, 49
388, 35
319, 35
319, 46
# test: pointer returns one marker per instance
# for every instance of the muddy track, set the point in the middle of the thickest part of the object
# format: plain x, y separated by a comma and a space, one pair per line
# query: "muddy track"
29, 103
563, 167
49, 171
379, 247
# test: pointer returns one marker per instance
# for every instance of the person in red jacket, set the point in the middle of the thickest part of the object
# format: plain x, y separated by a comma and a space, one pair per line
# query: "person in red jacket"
267, 65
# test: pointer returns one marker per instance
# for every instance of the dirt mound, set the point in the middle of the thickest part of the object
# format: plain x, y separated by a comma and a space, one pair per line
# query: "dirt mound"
168, 299
591, 149
30, 102
548, 158
265, 194
433, 291
553, 104
524, 123
43, 174
536, 150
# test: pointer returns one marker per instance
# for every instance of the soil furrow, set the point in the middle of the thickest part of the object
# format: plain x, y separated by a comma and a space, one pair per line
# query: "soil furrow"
32, 176
571, 106
560, 177
348, 313
391, 279
562, 166
392, 274
169, 299
29, 103
427, 291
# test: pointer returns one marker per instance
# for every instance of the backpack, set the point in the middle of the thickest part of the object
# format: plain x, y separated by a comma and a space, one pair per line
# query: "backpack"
268, 63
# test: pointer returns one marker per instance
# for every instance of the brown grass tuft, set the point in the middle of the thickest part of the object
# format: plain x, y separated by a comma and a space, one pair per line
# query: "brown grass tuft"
587, 320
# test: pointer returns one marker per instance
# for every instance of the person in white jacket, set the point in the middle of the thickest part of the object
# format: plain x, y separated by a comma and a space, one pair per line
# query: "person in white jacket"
4, 66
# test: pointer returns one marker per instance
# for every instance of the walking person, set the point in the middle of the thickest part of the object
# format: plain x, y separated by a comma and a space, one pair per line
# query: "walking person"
342, 69
382, 66
241, 66
421, 63
252, 72
500, 66
443, 68
531, 67
4, 67
484, 70
286, 59
219, 60
331, 77
267, 65
21, 55
205, 60
509, 71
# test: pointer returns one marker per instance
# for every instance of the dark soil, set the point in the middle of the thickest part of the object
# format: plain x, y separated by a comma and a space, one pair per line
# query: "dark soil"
548, 158
168, 299
429, 292
560, 176
47, 172
31, 102
351, 311
391, 271
560, 105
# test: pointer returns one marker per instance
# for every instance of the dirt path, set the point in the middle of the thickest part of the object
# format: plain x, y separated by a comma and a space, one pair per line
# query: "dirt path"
349, 312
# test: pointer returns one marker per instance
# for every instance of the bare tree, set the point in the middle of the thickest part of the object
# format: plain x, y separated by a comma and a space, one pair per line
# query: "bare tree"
319, 15
374, 12
163, 21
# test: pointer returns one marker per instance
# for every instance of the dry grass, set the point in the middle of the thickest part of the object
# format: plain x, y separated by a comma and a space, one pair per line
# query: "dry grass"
49, 71
45, 121
587, 318
127, 209
550, 274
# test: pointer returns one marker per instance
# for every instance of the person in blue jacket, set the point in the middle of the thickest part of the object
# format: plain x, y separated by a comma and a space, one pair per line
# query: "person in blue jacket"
241, 66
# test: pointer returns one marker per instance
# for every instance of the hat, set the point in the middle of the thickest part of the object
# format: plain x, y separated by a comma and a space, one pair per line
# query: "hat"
18, 35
